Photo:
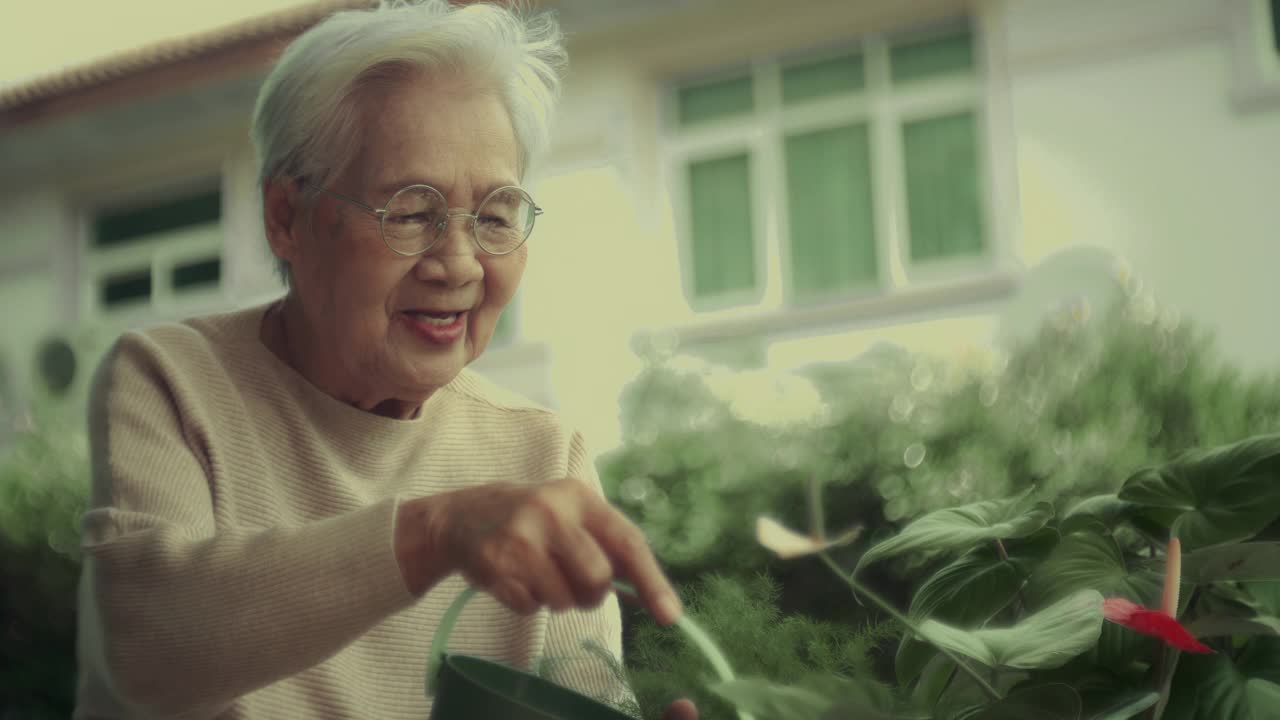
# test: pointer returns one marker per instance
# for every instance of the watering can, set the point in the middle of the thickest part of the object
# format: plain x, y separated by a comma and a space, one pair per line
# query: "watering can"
467, 687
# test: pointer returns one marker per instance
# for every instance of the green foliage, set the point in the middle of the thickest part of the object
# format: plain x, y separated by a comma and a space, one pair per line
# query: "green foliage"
997, 490
1214, 496
43, 482
745, 621
964, 527
1047, 639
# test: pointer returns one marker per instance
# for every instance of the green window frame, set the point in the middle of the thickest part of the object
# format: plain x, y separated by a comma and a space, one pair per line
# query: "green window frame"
813, 138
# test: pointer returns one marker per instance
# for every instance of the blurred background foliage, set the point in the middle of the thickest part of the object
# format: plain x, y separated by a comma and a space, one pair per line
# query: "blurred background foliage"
1070, 410
44, 481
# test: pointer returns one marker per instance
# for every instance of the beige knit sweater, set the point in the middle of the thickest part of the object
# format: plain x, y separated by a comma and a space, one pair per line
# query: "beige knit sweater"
238, 546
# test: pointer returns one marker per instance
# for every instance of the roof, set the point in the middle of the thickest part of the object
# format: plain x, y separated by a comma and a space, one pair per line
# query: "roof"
251, 42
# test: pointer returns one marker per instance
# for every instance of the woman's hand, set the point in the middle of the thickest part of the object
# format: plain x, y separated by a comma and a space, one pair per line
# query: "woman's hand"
558, 545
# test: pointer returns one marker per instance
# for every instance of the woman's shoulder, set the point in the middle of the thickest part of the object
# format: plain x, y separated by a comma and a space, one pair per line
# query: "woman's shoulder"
197, 347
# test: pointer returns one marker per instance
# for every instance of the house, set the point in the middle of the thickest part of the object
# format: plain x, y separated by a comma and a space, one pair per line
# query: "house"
757, 182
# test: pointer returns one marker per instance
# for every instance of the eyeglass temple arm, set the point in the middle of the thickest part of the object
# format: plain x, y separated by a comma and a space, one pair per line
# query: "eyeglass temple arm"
376, 211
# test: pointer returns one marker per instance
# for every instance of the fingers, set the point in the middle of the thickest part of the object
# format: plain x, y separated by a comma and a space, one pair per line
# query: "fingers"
632, 559
559, 545
585, 567
514, 595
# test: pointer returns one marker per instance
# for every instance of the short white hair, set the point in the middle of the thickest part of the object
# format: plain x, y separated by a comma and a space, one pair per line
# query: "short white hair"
306, 119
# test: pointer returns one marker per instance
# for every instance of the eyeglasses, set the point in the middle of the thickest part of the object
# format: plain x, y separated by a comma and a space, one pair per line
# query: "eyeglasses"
415, 218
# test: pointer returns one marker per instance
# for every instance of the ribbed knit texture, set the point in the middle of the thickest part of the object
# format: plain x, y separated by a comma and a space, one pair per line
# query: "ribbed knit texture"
238, 546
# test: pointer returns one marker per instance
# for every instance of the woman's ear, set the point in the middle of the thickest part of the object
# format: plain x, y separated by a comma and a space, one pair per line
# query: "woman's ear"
282, 212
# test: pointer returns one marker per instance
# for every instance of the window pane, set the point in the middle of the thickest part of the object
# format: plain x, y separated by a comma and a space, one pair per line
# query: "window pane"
201, 273
829, 190
820, 79
944, 207
115, 227
126, 288
712, 101
932, 57
1275, 24
723, 244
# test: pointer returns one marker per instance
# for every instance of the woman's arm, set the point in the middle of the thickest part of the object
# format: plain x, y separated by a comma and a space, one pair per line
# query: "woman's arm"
181, 620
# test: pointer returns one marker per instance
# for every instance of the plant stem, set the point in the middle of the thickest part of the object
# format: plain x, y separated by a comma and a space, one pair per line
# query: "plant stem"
1164, 675
911, 625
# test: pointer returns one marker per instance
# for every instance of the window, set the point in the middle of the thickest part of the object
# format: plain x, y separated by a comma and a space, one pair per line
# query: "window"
1255, 52
1275, 25
833, 174
146, 256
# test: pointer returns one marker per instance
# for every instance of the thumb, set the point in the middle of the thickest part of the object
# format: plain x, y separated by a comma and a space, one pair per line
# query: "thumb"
682, 709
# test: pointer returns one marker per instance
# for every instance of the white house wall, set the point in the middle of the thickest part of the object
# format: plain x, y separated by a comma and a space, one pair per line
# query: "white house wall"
1120, 132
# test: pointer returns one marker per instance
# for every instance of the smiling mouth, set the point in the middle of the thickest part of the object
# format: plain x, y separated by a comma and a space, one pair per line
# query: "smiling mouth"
434, 318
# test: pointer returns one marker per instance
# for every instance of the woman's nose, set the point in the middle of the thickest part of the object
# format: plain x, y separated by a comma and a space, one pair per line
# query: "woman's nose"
454, 258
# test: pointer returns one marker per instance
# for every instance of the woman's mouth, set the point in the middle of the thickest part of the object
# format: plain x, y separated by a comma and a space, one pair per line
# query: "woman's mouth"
437, 328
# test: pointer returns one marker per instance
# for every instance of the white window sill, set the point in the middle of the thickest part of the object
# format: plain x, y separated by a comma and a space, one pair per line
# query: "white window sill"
850, 314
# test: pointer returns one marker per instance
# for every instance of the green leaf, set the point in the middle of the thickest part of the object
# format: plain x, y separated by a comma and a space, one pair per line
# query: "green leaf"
1217, 625
1240, 561
963, 527
1055, 701
1214, 496
1211, 687
969, 592
766, 700
1046, 639
1126, 706
1090, 559
1108, 509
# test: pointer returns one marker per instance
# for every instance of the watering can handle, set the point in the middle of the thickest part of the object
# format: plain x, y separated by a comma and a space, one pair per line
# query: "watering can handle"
691, 629
440, 641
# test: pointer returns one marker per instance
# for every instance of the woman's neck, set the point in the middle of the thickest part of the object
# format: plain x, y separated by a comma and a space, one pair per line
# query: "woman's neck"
285, 333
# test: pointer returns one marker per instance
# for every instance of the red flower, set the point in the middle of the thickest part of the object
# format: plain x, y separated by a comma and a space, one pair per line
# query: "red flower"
1160, 623
1151, 622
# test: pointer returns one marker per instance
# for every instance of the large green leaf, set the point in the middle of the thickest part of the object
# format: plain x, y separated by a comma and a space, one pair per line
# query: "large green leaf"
1046, 639
969, 591
1126, 706
1240, 561
1090, 558
766, 700
1107, 508
1214, 496
963, 527
1212, 687
1218, 625
1055, 701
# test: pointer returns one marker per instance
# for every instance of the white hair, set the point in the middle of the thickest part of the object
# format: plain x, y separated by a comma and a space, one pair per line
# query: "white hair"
306, 119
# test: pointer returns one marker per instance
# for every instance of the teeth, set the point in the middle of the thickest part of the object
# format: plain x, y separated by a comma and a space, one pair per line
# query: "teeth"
440, 320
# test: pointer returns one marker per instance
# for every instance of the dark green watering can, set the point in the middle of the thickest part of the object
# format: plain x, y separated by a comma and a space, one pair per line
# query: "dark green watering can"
466, 687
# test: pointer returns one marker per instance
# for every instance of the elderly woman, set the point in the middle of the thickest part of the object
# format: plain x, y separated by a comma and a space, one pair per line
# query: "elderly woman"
286, 498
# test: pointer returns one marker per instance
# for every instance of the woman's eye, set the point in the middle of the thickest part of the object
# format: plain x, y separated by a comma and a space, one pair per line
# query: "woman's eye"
495, 221
413, 219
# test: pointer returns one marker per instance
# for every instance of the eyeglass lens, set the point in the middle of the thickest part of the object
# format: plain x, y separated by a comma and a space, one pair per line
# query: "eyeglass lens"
416, 217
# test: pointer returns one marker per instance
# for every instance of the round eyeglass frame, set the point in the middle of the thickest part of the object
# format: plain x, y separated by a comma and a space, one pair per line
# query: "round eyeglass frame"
381, 214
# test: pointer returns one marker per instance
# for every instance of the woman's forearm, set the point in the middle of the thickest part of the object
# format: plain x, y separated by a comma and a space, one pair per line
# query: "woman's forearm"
186, 625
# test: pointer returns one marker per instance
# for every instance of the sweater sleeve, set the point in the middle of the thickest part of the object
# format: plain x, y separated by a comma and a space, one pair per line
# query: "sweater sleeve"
181, 616
578, 640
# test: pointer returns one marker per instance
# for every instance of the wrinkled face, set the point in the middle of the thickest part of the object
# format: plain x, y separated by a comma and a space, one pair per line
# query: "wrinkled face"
370, 306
